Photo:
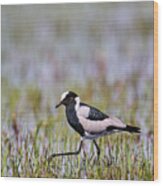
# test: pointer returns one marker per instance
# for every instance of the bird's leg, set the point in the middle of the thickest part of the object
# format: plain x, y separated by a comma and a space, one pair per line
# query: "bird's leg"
98, 149
67, 153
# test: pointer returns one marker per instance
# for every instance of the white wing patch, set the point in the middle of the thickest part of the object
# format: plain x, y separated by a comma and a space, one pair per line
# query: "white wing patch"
83, 111
99, 126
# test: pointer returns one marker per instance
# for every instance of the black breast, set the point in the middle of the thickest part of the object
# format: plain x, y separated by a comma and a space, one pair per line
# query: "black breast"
73, 120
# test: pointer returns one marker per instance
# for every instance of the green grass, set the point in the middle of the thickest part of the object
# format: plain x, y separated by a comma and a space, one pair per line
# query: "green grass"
28, 138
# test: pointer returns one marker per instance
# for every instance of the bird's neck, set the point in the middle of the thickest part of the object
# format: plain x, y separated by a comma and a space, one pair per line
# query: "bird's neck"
72, 117
71, 114
73, 106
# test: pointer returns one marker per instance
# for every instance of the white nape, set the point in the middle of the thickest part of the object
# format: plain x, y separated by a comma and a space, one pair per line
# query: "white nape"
77, 105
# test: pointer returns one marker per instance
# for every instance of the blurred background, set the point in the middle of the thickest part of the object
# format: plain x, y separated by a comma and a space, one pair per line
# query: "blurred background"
102, 51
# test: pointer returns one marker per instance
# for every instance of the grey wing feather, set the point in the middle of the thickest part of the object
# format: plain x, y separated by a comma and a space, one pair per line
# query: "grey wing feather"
94, 113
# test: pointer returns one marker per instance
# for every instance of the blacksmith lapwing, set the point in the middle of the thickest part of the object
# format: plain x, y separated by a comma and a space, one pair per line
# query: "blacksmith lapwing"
89, 122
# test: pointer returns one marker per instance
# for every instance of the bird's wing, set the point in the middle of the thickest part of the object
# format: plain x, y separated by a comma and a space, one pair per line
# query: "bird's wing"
97, 126
115, 122
91, 113
93, 120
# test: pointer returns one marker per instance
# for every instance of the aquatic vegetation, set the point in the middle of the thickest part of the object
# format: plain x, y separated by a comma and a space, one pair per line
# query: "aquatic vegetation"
27, 144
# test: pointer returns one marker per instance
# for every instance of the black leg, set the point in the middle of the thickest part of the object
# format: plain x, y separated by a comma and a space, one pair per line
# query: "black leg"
97, 147
67, 153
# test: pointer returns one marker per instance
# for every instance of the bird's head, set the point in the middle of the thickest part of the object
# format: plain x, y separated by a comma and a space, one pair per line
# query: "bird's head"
67, 98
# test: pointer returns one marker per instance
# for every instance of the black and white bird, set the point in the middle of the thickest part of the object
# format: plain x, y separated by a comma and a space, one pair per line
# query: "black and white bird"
89, 122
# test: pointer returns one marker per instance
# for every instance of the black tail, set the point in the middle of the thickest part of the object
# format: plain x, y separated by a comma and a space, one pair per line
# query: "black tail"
131, 129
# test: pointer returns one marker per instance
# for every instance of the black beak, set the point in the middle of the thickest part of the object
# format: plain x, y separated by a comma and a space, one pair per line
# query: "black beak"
59, 104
